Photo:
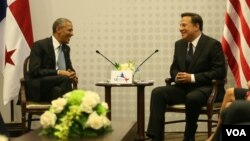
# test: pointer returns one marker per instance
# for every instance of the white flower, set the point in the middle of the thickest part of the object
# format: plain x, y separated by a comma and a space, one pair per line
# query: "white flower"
77, 110
89, 101
130, 66
58, 105
105, 105
86, 108
106, 122
3, 138
66, 95
48, 119
94, 121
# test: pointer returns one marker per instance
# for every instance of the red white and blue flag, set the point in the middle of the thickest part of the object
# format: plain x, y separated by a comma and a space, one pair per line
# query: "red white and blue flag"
16, 39
236, 39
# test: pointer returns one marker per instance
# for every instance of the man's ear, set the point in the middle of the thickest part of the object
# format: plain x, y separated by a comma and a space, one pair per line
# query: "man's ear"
58, 28
197, 26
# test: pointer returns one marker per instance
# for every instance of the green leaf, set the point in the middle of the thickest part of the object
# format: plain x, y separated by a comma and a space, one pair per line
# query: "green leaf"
117, 65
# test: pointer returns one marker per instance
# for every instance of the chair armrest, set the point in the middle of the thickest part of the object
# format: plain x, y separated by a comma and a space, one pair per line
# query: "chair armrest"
74, 85
169, 81
214, 93
219, 82
215, 84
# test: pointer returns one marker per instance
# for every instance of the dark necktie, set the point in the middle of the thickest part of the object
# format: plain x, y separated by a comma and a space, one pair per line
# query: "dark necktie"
189, 55
61, 60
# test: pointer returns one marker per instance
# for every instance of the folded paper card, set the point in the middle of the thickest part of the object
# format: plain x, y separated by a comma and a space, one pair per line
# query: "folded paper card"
121, 77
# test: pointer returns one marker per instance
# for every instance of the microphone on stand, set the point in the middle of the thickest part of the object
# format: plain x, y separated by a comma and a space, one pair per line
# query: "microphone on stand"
98, 52
137, 69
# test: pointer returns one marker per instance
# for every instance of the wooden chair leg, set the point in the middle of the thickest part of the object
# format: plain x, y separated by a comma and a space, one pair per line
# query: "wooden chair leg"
29, 121
24, 123
209, 127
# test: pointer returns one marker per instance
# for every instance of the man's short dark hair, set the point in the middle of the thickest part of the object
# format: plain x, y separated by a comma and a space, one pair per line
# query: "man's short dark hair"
195, 18
59, 22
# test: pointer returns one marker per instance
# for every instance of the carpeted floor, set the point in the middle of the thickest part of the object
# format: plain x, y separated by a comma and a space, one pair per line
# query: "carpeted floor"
201, 136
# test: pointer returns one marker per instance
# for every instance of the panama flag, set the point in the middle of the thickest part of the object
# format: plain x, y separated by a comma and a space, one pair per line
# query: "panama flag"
236, 39
15, 41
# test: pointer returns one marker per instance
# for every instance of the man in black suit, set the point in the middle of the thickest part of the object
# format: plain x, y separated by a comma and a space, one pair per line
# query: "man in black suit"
50, 68
192, 68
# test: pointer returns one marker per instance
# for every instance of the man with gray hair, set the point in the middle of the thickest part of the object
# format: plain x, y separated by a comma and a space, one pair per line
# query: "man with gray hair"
50, 69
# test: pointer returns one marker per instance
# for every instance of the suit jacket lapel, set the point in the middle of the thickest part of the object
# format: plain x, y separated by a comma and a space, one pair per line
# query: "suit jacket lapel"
183, 52
51, 51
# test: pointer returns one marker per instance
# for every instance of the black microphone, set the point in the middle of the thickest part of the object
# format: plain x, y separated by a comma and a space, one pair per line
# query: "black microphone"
97, 51
137, 69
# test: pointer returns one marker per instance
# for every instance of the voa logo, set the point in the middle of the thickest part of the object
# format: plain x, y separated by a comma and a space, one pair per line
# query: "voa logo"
236, 132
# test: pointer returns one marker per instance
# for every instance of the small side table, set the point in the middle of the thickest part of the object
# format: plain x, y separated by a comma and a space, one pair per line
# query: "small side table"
140, 102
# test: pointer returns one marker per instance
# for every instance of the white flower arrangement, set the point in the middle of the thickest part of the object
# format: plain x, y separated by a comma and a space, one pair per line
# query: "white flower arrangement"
78, 113
128, 66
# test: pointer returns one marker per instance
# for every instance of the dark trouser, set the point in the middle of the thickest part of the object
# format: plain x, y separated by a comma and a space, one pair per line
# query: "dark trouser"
193, 97
237, 113
3, 129
53, 87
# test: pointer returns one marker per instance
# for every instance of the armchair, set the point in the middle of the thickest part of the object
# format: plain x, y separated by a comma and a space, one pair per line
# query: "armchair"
30, 108
209, 110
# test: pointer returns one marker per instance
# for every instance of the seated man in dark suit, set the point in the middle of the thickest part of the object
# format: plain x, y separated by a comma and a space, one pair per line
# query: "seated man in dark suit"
50, 69
232, 95
198, 59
